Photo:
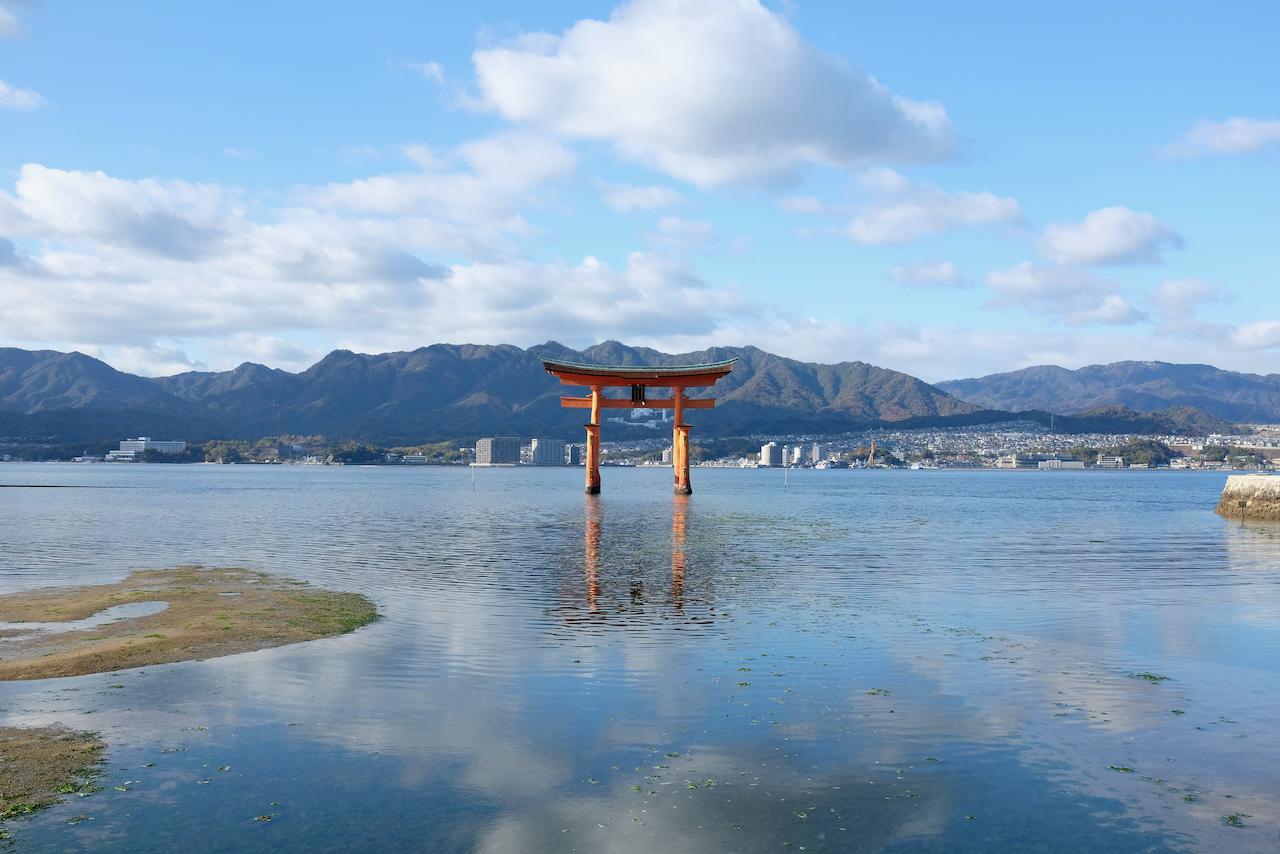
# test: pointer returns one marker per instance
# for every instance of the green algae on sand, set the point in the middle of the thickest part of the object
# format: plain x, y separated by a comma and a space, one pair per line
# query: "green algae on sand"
40, 765
210, 613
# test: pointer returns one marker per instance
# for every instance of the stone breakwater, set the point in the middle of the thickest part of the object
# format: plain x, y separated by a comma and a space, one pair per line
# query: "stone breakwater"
1251, 496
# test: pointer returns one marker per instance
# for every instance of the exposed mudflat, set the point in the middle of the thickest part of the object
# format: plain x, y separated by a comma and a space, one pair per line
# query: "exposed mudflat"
39, 765
209, 613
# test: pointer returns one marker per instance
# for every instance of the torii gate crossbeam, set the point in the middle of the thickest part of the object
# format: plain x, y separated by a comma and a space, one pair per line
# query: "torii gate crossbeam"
639, 379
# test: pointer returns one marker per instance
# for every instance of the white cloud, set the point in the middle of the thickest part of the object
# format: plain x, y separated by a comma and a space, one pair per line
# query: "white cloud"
142, 269
1114, 235
432, 71
902, 211
153, 359
1237, 135
241, 153
1259, 335
13, 98
1075, 296
940, 273
626, 198
710, 92
490, 177
172, 218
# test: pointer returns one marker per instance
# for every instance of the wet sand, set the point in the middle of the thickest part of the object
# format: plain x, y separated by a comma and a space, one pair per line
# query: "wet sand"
210, 613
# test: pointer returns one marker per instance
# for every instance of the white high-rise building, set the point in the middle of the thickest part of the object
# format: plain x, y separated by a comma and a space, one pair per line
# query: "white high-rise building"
770, 455
797, 454
817, 454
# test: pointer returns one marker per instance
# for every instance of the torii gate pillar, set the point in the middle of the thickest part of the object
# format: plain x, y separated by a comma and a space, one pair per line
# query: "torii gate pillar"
680, 447
593, 444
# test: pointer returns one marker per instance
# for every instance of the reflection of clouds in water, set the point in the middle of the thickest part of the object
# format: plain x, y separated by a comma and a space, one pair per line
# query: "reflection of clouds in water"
1080, 715
491, 675
739, 802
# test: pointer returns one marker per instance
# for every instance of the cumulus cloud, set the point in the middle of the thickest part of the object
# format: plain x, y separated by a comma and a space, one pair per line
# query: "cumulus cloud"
14, 98
1259, 335
709, 92
937, 273
481, 180
172, 218
626, 198
134, 266
1074, 296
1114, 235
1236, 135
902, 210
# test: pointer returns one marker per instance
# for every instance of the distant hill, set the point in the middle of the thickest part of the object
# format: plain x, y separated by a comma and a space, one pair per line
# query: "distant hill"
449, 391
1139, 386
437, 392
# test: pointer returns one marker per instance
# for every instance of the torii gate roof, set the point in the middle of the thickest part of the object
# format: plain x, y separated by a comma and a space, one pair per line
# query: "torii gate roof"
575, 373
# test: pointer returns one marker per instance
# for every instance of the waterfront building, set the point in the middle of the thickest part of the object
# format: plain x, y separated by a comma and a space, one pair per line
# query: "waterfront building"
1056, 464
1105, 462
770, 455
816, 454
575, 455
666, 456
547, 452
797, 455
498, 451
146, 443
132, 450
1008, 461
414, 459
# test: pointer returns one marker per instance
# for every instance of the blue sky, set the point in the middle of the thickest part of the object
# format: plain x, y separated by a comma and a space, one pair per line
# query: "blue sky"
934, 188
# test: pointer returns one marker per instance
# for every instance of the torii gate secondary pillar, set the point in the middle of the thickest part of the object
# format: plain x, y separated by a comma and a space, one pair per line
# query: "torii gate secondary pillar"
593, 444
680, 447
639, 379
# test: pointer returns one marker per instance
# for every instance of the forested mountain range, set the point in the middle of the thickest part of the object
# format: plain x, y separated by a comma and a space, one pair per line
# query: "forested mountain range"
1140, 386
448, 391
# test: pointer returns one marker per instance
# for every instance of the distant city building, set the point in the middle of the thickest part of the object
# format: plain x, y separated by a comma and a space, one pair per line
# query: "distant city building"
816, 454
414, 459
146, 443
1053, 465
666, 456
1008, 461
548, 452
575, 455
498, 451
1105, 462
132, 450
770, 455
797, 455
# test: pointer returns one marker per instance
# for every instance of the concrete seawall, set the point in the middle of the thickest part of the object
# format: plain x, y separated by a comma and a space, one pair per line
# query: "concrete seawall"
1251, 496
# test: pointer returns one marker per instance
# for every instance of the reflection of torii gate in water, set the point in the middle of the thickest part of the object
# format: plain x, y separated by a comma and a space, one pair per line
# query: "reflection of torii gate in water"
639, 380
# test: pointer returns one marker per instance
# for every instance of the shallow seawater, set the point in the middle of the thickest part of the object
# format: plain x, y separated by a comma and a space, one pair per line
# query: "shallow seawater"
866, 661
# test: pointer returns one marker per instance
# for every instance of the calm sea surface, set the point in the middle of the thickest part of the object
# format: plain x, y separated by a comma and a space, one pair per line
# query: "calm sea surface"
868, 661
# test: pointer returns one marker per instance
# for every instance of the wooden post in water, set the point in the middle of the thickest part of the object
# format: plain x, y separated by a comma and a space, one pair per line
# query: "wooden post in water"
680, 445
593, 444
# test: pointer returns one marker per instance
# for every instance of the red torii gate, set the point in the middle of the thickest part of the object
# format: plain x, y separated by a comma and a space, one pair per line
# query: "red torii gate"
639, 379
